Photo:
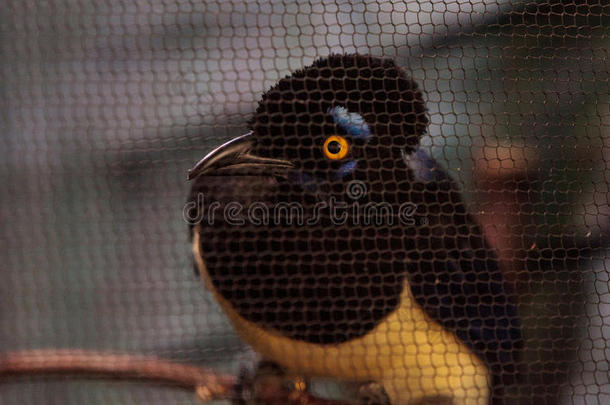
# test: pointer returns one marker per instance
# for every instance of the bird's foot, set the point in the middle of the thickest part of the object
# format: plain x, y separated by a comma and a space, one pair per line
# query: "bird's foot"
268, 384
373, 393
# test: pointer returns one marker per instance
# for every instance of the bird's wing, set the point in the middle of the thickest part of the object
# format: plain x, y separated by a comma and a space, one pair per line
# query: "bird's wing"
456, 277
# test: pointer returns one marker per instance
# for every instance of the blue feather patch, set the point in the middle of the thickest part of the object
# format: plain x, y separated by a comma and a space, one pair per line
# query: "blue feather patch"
346, 169
352, 123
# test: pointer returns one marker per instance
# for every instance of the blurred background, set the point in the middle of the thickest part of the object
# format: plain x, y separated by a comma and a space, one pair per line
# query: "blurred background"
104, 105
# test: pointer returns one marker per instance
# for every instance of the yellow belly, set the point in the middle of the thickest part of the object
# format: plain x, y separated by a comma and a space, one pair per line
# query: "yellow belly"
410, 354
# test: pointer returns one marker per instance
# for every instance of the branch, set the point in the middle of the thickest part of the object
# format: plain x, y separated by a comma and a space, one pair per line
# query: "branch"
207, 384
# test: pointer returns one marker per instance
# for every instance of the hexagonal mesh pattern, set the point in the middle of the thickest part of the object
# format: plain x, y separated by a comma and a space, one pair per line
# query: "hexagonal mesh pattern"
434, 193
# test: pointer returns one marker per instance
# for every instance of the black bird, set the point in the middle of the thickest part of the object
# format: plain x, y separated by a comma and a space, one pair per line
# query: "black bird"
339, 248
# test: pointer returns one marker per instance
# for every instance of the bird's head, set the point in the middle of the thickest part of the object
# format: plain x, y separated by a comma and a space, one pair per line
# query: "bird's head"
328, 122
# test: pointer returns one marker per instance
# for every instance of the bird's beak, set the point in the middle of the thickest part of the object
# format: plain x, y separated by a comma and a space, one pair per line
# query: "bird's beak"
235, 157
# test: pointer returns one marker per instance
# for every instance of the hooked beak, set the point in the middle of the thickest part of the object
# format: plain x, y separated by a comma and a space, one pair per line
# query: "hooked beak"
236, 156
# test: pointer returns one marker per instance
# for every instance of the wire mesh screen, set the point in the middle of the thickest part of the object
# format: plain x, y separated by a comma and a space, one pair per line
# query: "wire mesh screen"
466, 143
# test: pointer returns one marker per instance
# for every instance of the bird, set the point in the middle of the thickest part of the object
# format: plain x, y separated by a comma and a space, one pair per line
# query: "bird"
338, 247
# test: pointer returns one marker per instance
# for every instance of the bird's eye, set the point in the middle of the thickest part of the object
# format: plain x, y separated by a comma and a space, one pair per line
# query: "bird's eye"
335, 147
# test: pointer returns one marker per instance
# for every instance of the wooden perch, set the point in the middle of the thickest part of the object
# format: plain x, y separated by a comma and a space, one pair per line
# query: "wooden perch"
207, 384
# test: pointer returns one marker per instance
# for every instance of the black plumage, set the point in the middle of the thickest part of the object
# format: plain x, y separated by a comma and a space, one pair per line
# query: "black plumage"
329, 282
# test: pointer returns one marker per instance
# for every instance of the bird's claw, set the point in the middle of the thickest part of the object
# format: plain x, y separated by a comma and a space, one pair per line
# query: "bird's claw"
373, 393
267, 384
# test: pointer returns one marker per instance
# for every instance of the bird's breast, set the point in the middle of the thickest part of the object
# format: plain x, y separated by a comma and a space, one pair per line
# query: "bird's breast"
287, 264
412, 355
313, 284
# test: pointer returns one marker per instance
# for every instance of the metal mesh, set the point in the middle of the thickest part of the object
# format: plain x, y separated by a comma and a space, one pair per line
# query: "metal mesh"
105, 105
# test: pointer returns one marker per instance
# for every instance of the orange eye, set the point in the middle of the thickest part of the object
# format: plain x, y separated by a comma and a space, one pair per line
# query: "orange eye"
335, 147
